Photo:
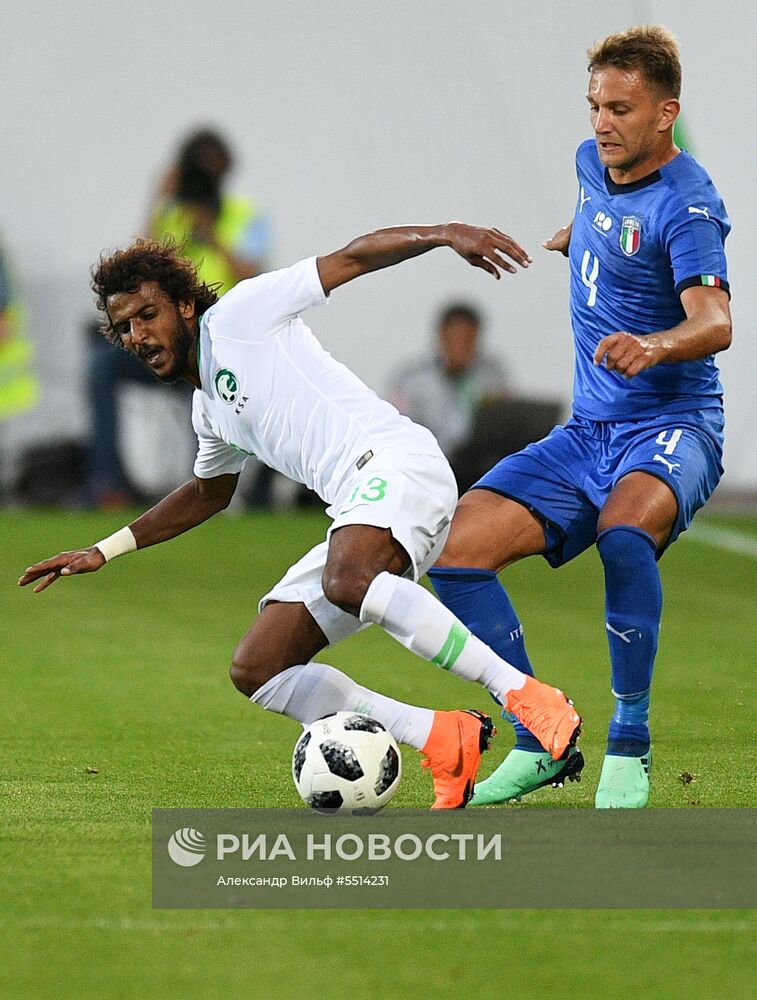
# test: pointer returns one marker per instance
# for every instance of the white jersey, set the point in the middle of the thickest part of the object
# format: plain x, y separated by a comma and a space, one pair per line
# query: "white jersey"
269, 389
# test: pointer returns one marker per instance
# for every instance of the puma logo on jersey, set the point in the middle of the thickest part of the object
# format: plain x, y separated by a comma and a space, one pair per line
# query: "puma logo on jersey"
584, 198
699, 211
670, 465
625, 636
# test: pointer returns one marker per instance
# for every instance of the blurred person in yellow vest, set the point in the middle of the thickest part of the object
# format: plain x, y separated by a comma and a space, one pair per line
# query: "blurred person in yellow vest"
223, 234
18, 385
227, 239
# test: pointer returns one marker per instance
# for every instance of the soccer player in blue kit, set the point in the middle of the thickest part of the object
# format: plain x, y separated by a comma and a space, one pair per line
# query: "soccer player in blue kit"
641, 453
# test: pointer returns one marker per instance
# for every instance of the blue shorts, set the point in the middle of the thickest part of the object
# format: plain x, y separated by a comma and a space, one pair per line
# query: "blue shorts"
566, 478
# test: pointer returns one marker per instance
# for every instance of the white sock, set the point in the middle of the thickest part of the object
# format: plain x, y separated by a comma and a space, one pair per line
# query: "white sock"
422, 624
310, 691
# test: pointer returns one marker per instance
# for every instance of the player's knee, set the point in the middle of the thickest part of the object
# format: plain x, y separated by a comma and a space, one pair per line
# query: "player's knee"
491, 532
249, 670
346, 585
456, 553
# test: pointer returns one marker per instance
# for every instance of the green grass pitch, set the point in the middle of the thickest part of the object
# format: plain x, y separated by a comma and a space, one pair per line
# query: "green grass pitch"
116, 700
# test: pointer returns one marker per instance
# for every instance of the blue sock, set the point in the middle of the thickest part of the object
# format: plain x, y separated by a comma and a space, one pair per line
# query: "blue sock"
633, 607
481, 603
629, 727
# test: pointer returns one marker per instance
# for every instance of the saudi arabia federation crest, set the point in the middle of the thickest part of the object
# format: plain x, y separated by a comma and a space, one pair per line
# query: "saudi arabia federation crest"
227, 385
630, 235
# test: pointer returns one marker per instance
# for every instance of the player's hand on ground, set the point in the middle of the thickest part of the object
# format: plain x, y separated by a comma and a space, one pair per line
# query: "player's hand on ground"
627, 353
560, 241
486, 248
64, 564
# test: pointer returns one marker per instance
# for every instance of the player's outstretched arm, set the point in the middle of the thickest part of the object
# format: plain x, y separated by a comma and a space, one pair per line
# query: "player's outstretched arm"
484, 248
560, 241
185, 508
705, 331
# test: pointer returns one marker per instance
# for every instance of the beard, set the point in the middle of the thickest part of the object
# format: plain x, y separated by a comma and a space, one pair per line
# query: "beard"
645, 150
182, 344
627, 164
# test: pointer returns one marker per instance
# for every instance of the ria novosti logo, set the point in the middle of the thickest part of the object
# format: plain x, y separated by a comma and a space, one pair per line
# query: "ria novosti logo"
186, 847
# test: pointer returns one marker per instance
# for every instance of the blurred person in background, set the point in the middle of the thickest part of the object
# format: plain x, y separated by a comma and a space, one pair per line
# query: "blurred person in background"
443, 389
223, 234
226, 237
18, 385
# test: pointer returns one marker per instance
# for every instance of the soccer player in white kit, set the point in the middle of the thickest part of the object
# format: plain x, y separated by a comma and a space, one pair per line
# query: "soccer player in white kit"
265, 387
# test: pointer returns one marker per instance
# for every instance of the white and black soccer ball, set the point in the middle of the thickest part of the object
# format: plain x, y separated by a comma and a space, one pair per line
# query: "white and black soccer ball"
346, 763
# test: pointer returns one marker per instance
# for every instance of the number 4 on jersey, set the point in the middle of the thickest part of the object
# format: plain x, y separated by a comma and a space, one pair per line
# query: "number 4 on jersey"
589, 277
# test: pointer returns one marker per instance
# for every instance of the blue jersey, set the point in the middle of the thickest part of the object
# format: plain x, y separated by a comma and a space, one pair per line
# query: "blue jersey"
633, 249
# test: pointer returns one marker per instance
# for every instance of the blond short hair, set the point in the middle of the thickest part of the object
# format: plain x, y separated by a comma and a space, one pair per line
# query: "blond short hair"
651, 48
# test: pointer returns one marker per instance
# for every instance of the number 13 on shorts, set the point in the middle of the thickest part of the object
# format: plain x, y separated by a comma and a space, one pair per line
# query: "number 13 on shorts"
369, 491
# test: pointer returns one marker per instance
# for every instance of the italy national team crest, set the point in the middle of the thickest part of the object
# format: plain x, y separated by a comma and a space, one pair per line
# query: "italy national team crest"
630, 235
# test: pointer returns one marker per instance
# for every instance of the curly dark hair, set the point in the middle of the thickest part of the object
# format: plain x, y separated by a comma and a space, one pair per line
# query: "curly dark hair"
148, 260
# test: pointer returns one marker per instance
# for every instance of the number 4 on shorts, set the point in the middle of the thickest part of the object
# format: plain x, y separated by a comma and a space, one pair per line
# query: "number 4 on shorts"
669, 439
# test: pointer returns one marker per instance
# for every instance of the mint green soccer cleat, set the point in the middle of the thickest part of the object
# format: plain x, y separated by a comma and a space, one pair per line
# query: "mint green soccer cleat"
523, 771
624, 782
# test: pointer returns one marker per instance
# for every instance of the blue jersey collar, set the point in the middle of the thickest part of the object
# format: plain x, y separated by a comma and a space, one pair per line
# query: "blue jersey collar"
642, 182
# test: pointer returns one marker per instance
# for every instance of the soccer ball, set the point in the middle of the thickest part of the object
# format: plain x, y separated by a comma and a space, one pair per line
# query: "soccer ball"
346, 763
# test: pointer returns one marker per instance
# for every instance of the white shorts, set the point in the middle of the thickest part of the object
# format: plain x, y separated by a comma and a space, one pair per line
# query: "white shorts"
414, 495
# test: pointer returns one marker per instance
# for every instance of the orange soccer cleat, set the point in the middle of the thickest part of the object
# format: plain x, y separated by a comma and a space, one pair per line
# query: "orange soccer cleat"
453, 752
548, 714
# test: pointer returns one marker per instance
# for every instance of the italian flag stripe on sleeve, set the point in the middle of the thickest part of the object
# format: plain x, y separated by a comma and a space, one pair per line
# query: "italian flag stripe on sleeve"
711, 280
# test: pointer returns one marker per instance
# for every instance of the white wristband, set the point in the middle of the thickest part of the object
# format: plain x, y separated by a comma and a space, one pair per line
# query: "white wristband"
118, 544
